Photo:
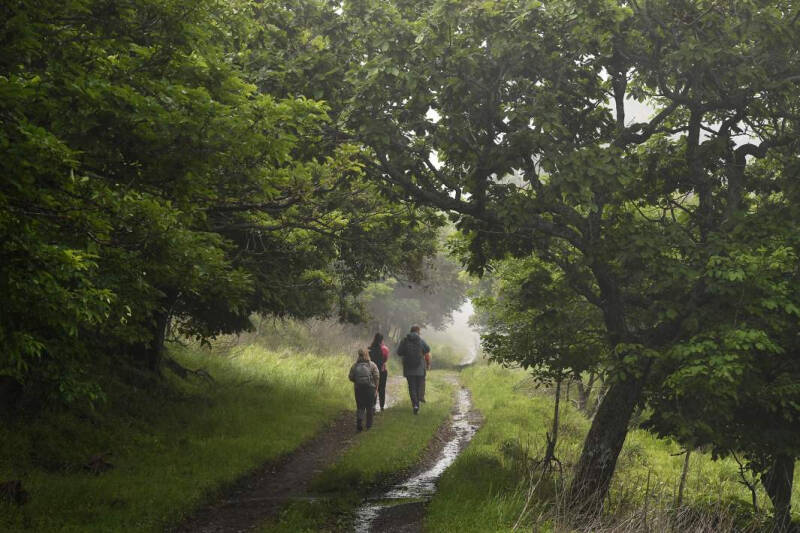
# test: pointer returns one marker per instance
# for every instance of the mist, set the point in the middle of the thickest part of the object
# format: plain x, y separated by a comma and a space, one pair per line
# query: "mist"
458, 334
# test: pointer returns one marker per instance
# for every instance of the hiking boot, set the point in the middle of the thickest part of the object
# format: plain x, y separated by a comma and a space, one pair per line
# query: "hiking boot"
416, 409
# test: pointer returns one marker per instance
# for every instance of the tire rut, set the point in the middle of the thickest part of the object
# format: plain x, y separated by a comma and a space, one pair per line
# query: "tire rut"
450, 440
261, 494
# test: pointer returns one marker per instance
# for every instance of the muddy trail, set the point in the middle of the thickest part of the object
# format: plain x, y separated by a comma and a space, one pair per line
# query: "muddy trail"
261, 494
401, 508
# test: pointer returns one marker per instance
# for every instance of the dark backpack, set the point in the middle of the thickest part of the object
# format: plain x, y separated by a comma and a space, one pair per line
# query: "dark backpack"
362, 374
412, 351
376, 354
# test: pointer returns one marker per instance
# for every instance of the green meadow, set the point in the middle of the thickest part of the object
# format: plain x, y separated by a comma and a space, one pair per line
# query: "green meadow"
171, 450
495, 485
176, 449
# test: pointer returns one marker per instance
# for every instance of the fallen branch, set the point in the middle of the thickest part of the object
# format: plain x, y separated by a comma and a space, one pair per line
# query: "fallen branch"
184, 372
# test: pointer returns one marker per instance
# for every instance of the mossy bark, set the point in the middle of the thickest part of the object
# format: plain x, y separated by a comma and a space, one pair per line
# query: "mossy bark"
602, 446
777, 482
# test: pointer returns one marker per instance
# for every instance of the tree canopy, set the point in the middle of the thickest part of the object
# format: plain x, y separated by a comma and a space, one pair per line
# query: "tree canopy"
154, 179
176, 166
649, 221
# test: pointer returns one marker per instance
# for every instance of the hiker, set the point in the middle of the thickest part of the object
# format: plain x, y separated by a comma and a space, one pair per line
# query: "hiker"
365, 377
416, 355
379, 354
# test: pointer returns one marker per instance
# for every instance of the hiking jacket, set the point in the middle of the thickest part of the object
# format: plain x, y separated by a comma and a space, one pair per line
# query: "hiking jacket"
384, 353
374, 374
419, 370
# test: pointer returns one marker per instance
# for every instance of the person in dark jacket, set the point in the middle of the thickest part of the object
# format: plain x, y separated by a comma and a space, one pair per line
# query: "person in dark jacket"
379, 354
415, 354
365, 376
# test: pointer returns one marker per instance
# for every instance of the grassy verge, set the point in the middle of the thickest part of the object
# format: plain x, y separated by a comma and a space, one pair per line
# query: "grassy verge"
487, 487
394, 445
173, 444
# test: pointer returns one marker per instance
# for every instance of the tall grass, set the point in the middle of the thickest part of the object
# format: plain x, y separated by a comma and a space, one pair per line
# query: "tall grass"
318, 336
173, 444
494, 486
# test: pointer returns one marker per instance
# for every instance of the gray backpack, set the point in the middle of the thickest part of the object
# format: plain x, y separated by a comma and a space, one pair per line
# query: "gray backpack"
362, 374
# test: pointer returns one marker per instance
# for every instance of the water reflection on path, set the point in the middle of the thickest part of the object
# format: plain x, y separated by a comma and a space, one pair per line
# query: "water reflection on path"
423, 485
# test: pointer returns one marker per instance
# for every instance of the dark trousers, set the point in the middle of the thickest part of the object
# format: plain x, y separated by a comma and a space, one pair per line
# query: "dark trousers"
416, 384
365, 404
382, 389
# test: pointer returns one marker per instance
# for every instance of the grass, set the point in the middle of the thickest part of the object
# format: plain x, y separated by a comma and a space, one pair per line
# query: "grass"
393, 446
445, 356
487, 487
173, 445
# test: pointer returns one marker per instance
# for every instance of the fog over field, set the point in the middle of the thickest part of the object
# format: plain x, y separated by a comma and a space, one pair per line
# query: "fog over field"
458, 334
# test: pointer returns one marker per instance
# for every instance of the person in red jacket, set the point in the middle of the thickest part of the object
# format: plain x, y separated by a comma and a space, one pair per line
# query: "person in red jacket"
379, 354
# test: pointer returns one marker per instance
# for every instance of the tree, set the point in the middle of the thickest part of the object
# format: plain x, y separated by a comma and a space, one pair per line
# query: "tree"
634, 213
395, 304
532, 318
149, 185
732, 387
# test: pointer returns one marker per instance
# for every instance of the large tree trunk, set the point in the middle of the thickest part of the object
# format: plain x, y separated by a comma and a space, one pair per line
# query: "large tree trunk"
151, 353
156, 352
602, 446
552, 438
778, 483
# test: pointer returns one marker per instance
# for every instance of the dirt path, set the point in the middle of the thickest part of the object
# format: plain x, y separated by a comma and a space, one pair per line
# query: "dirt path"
260, 495
380, 514
403, 518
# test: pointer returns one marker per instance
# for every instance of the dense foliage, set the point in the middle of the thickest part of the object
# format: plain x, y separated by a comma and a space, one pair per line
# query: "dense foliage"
532, 318
155, 181
675, 227
173, 166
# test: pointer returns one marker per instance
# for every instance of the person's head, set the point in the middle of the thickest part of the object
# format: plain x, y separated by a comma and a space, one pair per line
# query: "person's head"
415, 328
377, 340
363, 355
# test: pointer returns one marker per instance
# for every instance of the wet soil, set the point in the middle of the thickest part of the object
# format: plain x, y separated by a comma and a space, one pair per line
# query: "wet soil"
260, 495
402, 518
391, 509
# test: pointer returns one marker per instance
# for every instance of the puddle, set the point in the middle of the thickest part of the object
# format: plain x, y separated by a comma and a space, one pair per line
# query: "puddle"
422, 487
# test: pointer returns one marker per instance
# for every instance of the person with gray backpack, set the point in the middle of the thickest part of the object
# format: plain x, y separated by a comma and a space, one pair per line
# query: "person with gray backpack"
365, 377
415, 354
